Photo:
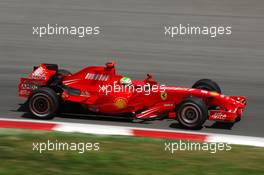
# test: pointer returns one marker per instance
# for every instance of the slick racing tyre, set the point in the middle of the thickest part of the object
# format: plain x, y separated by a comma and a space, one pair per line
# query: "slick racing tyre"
207, 84
44, 103
56, 79
64, 72
192, 113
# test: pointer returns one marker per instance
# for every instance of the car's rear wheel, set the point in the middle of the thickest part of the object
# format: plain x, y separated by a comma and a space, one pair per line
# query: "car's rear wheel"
64, 72
192, 113
207, 84
44, 103
56, 79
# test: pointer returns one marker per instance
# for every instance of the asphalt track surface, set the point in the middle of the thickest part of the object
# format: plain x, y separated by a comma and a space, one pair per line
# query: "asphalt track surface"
132, 33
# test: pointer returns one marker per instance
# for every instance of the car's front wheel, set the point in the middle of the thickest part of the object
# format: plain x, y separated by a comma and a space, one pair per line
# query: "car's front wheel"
207, 84
44, 103
192, 113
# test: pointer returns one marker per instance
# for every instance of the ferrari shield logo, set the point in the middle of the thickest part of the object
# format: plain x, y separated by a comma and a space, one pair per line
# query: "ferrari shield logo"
163, 95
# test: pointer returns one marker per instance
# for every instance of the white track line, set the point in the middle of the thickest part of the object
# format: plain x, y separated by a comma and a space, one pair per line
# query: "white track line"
147, 132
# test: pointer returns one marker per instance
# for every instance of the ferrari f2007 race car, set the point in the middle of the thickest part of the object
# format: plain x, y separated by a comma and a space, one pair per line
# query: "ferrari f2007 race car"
101, 90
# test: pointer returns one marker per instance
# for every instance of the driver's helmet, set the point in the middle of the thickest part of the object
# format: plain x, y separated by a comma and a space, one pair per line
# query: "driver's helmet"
125, 81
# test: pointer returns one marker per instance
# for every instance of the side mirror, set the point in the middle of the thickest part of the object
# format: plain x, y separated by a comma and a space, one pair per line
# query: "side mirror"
150, 80
110, 64
149, 76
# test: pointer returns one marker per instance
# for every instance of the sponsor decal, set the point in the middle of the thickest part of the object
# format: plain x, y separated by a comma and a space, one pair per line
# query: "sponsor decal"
163, 95
85, 93
120, 102
39, 77
29, 86
219, 116
39, 73
168, 105
24, 92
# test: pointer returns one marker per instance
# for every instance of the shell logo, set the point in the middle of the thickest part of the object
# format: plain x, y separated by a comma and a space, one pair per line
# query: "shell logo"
120, 102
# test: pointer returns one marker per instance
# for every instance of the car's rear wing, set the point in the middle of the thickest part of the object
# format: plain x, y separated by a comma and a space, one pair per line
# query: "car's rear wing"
27, 85
39, 77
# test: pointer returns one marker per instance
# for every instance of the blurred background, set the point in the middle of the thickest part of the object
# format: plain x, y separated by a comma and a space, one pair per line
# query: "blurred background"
132, 33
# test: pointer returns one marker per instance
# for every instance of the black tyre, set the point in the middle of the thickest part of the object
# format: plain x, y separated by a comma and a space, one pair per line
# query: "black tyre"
64, 72
56, 79
207, 84
192, 113
44, 103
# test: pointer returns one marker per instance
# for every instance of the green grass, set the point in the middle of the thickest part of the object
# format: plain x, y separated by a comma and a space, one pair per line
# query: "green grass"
119, 155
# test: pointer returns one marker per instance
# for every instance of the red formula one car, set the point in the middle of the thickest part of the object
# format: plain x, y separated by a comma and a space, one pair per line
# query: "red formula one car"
101, 90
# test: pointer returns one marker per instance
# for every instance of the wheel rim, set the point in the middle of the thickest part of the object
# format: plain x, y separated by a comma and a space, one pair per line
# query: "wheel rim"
190, 113
40, 105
